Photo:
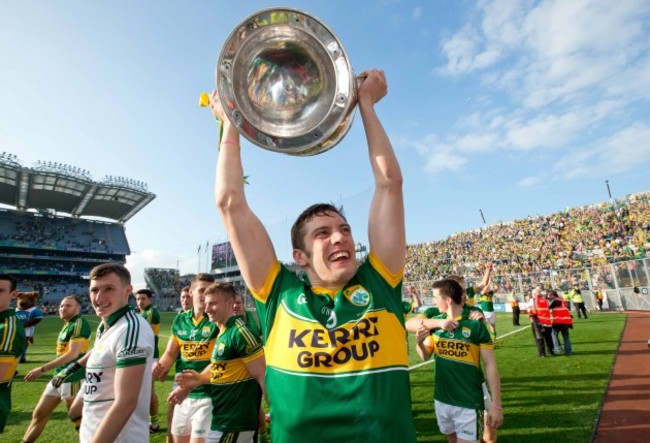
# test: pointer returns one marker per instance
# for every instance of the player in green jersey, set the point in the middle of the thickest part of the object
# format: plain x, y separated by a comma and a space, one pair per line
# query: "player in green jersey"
459, 390
72, 344
486, 298
144, 299
338, 333
427, 319
236, 371
12, 344
192, 340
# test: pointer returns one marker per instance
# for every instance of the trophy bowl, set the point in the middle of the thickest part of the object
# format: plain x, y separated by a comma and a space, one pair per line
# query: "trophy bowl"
286, 83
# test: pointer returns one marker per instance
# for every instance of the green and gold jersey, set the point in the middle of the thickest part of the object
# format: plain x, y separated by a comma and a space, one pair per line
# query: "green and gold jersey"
333, 356
430, 312
195, 340
471, 296
152, 316
12, 343
458, 373
235, 393
77, 329
487, 301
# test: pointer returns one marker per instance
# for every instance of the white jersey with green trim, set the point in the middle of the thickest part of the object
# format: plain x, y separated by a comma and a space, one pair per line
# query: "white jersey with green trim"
127, 341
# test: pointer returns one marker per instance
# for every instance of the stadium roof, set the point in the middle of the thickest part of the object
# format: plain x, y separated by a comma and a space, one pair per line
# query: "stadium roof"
71, 190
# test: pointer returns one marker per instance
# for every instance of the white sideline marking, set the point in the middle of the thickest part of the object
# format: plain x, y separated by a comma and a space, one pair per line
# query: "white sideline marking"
419, 365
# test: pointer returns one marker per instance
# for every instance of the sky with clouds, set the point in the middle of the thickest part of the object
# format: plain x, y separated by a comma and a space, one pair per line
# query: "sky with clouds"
512, 107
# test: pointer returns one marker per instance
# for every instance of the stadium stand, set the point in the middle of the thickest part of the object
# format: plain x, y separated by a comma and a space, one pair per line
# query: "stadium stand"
56, 224
612, 240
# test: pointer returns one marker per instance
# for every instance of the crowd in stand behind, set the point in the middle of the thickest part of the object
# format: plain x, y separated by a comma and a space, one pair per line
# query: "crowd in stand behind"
577, 237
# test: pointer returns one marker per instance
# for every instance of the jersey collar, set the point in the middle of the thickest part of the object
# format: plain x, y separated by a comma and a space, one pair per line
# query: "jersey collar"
115, 316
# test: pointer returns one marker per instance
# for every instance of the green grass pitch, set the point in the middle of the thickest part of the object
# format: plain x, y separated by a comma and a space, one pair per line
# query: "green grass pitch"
551, 399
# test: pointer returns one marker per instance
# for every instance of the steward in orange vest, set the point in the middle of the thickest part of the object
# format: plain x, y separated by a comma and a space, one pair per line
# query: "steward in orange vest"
562, 321
541, 323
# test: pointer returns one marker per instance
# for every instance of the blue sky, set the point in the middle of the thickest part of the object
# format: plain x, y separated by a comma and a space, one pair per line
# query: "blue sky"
513, 107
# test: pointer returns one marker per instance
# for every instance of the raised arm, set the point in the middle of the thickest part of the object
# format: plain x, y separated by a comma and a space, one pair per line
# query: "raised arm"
487, 276
248, 237
387, 207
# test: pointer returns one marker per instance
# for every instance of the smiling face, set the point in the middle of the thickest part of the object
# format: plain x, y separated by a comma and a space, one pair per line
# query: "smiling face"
328, 257
108, 294
219, 307
68, 308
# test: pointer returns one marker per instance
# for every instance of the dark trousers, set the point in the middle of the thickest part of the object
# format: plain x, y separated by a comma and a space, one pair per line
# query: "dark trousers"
515, 315
581, 307
543, 335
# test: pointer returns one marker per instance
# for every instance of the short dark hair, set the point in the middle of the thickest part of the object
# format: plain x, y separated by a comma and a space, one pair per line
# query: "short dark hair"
297, 232
13, 283
146, 292
111, 268
209, 278
449, 288
74, 297
185, 288
226, 289
552, 293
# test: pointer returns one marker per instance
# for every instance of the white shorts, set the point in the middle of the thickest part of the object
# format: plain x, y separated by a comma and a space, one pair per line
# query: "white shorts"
466, 423
490, 317
65, 391
192, 417
231, 437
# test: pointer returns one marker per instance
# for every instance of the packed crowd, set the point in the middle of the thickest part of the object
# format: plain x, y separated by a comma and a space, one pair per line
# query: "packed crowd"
577, 237
62, 233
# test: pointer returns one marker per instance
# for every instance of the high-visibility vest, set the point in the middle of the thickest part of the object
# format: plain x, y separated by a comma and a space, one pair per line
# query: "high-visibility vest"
514, 303
575, 296
561, 314
543, 314
566, 296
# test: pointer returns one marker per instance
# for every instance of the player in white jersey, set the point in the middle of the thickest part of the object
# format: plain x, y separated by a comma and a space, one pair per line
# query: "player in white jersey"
118, 373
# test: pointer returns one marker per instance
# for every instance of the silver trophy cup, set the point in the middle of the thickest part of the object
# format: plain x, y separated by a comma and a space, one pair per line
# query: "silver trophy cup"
286, 83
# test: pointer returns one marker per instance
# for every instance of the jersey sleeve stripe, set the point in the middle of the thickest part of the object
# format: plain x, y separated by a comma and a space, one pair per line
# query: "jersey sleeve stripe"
132, 331
9, 335
264, 292
246, 333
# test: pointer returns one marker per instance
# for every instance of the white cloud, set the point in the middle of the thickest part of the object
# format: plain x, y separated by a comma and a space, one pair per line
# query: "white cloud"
417, 13
619, 153
529, 181
154, 258
571, 70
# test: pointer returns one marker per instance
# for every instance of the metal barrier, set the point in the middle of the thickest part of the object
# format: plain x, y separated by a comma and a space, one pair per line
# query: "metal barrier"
625, 285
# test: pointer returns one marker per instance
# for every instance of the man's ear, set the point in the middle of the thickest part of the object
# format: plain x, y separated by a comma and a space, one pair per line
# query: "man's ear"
300, 257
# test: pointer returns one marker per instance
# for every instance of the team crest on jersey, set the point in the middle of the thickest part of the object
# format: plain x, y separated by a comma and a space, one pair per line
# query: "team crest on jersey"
466, 332
357, 295
221, 349
206, 331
